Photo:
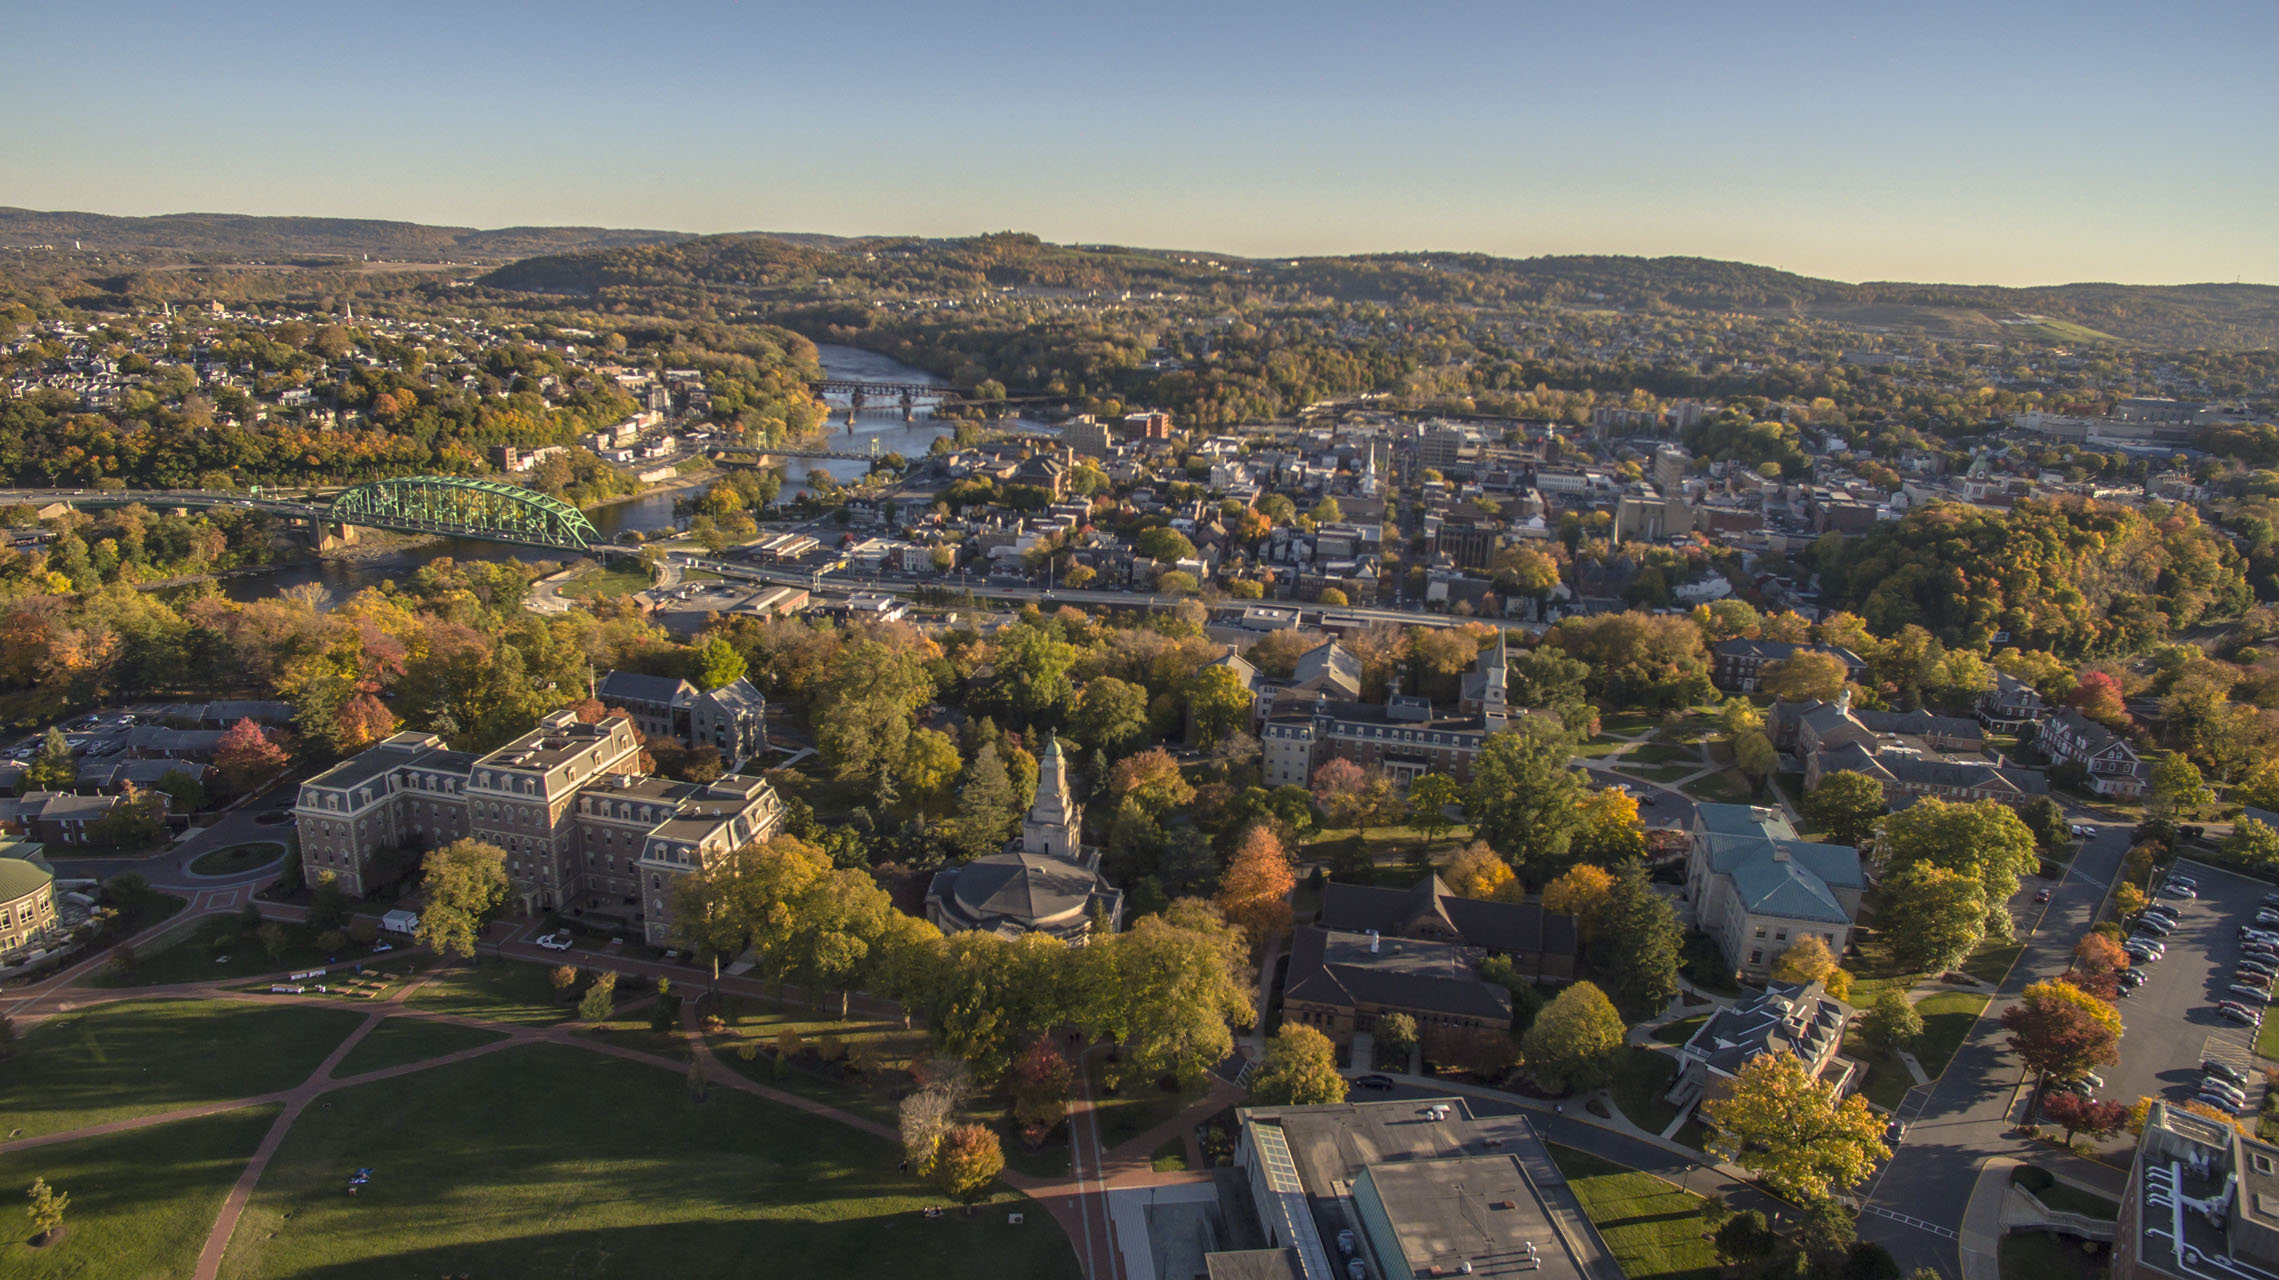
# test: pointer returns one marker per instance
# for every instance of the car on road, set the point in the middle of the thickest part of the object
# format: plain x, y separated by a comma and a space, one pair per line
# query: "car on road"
2042, 895
1893, 1133
554, 941
2223, 1070
1373, 1081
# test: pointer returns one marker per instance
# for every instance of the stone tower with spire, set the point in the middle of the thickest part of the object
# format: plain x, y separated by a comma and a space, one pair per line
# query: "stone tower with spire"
1055, 821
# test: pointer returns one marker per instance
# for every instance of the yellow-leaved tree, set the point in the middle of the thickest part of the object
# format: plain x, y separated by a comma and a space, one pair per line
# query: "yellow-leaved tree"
1788, 1128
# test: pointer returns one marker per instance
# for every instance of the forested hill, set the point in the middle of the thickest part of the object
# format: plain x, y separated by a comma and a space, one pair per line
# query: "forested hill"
2224, 316
230, 236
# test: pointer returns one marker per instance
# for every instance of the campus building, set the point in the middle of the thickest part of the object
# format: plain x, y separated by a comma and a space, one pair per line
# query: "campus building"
27, 907
586, 832
1405, 736
2202, 1203
1758, 889
1044, 881
732, 719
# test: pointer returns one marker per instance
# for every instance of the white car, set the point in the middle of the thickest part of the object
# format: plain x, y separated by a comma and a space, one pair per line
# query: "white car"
554, 941
381, 946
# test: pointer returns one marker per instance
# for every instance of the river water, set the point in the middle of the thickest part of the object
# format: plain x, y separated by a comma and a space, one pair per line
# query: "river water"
651, 512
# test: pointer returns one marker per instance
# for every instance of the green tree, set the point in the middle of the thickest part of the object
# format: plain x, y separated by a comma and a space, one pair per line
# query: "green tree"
2253, 843
717, 663
987, 805
1775, 1120
1745, 1237
1523, 798
1984, 840
2178, 790
463, 883
1891, 1022
600, 1000
1847, 804
184, 793
1300, 1069
1429, 797
1637, 942
1574, 1042
46, 1210
1396, 1037
1220, 703
1804, 675
52, 769
1933, 915
928, 770
2046, 819
1110, 715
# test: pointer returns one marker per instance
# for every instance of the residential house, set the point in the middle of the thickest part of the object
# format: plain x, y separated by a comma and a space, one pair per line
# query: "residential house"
2010, 705
2112, 767
1799, 1019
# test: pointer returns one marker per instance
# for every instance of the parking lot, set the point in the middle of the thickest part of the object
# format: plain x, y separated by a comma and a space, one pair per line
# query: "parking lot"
2170, 1023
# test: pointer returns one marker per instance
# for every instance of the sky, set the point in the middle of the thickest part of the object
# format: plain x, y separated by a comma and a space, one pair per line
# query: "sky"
2000, 142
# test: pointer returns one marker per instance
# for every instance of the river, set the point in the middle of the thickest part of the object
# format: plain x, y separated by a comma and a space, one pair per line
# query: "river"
650, 512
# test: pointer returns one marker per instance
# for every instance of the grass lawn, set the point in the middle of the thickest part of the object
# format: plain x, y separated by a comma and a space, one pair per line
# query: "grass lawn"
1662, 773
479, 1169
1947, 1018
1887, 1080
1137, 1107
1992, 961
231, 859
141, 1202
139, 1057
1652, 1227
1680, 1031
399, 1040
1641, 1077
498, 991
1628, 723
2038, 1255
1171, 1157
756, 1023
1661, 753
1728, 787
604, 582
190, 956
2267, 1039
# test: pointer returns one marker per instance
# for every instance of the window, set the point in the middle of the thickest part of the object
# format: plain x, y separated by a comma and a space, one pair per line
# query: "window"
1781, 936
1756, 957
1760, 933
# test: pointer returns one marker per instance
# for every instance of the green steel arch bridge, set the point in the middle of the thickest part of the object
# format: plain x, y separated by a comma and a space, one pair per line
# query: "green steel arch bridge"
448, 506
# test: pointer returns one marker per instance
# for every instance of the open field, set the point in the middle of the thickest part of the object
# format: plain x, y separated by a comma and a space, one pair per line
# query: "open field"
484, 1169
399, 1040
141, 1202
140, 1057
1651, 1227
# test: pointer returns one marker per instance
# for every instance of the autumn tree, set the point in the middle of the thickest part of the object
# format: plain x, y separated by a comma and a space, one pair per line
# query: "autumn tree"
2098, 962
1574, 1041
1255, 891
245, 757
1476, 871
1774, 1119
1579, 891
1608, 832
2057, 1029
969, 1160
1300, 1069
1807, 960
45, 1210
2098, 695
462, 883
2076, 1113
1337, 784
1043, 1078
1804, 675
1846, 805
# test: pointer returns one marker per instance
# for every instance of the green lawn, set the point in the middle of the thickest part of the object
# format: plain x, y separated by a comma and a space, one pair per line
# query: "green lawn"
1728, 787
231, 859
499, 992
1641, 1077
1992, 961
139, 1057
1662, 753
1947, 1018
2038, 1255
1171, 1157
1887, 1079
548, 1161
1652, 1227
2267, 1039
191, 956
598, 582
874, 1097
1662, 773
141, 1202
399, 1040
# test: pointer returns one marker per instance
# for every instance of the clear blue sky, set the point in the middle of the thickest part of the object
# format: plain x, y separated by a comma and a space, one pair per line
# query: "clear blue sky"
2001, 141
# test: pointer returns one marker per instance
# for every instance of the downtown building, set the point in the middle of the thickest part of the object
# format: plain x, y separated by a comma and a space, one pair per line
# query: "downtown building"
588, 833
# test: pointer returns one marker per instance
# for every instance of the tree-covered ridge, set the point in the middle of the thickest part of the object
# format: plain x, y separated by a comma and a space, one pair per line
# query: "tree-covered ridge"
2182, 315
2074, 577
228, 235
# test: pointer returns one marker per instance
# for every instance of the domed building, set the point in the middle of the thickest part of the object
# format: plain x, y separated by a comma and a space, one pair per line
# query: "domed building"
1044, 882
27, 907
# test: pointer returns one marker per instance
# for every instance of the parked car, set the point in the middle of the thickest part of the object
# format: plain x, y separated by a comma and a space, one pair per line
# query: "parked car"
2218, 1101
2271, 899
1373, 1081
2229, 1090
2249, 991
2132, 978
2177, 891
2240, 1014
2155, 926
2259, 948
2140, 955
382, 946
554, 941
2224, 1070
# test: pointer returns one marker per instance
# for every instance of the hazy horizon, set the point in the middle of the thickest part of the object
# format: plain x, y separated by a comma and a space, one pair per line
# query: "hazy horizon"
2033, 144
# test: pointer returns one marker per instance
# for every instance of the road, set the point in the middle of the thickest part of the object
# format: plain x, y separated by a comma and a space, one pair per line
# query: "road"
1958, 1120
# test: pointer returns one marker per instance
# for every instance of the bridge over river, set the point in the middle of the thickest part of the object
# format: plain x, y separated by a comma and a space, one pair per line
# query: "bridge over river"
448, 506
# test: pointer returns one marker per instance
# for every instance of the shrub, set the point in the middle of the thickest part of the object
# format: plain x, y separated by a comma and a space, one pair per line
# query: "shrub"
365, 930
331, 941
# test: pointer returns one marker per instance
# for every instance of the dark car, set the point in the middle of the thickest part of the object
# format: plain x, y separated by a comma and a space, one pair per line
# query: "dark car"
1373, 1082
2224, 1070
2041, 895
